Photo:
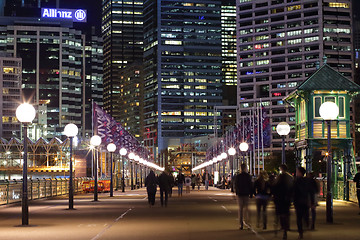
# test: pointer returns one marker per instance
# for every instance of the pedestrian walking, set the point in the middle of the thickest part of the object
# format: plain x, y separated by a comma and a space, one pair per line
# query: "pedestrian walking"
187, 184
206, 179
262, 196
180, 183
151, 185
282, 190
193, 181
165, 185
302, 199
315, 190
357, 181
243, 189
172, 184
198, 181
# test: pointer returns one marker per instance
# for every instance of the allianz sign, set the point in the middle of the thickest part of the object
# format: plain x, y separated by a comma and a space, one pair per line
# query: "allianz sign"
75, 15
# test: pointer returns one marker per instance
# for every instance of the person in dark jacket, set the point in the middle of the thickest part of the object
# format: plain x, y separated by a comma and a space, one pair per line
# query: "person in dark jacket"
165, 185
282, 190
180, 183
357, 181
262, 195
302, 199
206, 178
243, 189
151, 184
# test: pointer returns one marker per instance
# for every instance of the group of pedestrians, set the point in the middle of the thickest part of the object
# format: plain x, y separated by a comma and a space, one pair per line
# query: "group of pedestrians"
165, 182
284, 190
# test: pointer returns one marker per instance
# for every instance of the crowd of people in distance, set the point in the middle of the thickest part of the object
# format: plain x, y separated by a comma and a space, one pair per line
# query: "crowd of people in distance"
166, 182
283, 189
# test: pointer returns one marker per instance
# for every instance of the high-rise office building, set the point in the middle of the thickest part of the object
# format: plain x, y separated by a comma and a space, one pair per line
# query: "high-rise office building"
182, 72
228, 42
53, 62
280, 43
122, 31
10, 95
229, 66
80, 59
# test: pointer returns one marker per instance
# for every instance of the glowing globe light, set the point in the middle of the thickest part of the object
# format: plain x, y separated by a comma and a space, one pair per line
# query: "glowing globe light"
25, 113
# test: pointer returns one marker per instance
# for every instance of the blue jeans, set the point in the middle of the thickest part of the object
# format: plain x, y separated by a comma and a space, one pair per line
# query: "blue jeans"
180, 189
206, 184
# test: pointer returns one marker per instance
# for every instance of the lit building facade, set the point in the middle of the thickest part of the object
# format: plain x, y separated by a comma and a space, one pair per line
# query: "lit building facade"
53, 62
10, 95
280, 44
182, 73
122, 31
131, 93
228, 42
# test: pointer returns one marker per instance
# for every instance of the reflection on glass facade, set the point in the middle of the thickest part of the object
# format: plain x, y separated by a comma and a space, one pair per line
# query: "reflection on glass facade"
52, 69
182, 72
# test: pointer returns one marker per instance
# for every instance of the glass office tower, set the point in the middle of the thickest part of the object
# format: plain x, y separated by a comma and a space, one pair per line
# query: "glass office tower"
182, 73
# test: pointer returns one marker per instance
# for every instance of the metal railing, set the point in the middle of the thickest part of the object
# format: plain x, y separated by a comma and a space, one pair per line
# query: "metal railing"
10, 191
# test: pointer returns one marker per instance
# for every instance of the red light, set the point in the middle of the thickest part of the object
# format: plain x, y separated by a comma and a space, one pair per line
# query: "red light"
276, 94
257, 46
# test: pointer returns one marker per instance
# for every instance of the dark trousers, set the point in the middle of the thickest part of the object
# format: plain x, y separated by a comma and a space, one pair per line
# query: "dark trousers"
151, 197
162, 193
282, 209
302, 211
261, 205
358, 196
313, 217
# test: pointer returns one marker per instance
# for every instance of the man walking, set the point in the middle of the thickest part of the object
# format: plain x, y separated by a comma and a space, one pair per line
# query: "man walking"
282, 190
206, 179
302, 197
180, 183
165, 185
243, 189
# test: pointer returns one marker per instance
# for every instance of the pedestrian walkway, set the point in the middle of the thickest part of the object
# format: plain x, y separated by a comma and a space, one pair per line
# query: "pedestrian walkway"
210, 215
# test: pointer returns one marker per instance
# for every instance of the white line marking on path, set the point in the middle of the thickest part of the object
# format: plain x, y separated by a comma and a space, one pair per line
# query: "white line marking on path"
255, 232
226, 209
109, 226
212, 199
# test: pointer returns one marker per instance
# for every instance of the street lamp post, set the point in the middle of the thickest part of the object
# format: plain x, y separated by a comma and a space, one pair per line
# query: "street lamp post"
71, 130
111, 148
329, 111
25, 113
232, 152
283, 129
95, 141
243, 148
123, 152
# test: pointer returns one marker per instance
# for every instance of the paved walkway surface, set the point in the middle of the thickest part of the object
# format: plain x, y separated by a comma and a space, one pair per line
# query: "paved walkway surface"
200, 215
